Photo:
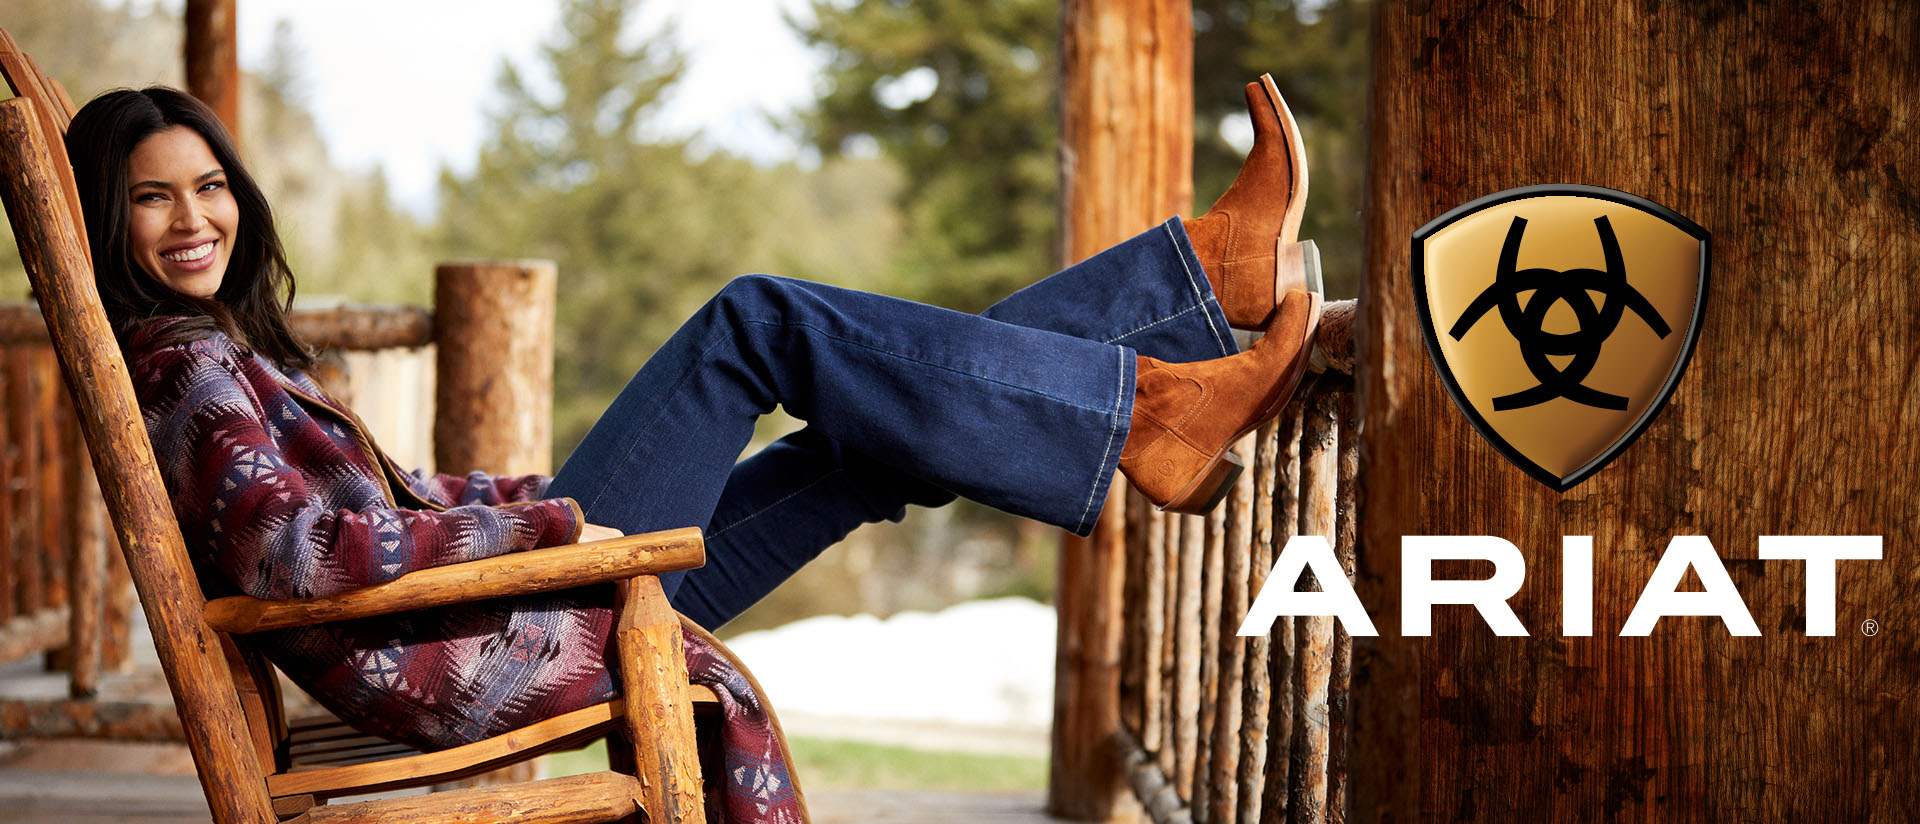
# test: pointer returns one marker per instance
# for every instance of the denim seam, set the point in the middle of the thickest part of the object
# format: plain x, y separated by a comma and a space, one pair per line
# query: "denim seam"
769, 507
889, 353
1119, 391
1180, 253
1175, 316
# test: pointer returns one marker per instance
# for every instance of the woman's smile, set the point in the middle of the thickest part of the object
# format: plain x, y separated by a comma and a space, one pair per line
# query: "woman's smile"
184, 218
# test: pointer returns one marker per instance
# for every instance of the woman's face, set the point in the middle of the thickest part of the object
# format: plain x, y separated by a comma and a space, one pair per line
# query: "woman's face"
184, 220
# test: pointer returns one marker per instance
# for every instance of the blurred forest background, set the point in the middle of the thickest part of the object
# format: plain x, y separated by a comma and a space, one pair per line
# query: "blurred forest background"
936, 130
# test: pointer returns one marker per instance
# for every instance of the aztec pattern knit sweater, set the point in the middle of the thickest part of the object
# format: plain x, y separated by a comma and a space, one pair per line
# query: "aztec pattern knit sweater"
280, 493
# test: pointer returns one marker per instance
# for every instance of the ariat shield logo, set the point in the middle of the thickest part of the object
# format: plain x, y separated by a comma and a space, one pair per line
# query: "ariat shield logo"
1560, 318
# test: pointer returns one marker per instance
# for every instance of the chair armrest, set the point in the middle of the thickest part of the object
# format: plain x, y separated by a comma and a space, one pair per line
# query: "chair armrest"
519, 573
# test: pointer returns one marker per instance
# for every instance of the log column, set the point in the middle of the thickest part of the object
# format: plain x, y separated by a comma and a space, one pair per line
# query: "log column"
1790, 132
212, 56
493, 331
1126, 163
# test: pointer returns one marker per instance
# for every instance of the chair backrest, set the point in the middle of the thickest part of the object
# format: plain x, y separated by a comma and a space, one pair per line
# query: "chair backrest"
36, 182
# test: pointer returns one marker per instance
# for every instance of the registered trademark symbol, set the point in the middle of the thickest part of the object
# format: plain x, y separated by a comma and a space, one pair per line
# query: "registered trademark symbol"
1869, 627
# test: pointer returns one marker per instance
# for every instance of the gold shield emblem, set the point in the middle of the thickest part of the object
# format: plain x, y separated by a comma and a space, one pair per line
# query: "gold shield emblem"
1561, 318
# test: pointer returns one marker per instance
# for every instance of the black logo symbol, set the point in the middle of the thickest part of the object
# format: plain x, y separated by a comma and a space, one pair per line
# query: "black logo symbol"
1549, 286
1560, 444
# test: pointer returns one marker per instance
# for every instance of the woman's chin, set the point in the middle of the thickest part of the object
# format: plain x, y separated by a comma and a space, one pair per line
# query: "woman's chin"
202, 284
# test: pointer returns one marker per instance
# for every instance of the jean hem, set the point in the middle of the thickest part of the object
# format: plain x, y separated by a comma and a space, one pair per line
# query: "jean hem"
1202, 288
1109, 466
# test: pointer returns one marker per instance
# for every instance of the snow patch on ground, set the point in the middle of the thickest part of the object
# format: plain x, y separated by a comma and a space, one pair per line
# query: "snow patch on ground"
976, 664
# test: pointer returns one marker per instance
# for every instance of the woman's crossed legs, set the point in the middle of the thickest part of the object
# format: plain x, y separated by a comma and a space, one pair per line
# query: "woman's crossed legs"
1023, 407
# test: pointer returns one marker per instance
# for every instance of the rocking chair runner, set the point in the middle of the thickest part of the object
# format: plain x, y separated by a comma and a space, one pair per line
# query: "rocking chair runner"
254, 765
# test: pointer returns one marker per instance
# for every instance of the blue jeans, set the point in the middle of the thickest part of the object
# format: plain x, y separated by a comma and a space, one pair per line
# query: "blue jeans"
1023, 407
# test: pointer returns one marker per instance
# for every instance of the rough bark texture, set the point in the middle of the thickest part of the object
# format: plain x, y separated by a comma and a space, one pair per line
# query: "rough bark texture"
57, 265
1346, 536
493, 403
1313, 635
1187, 610
659, 720
1275, 440
1126, 154
1789, 132
1230, 664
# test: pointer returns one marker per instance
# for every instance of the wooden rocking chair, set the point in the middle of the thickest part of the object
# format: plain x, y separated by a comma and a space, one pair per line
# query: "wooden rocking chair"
254, 765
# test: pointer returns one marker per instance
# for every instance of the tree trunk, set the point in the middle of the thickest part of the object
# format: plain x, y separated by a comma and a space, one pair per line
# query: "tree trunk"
1789, 132
213, 58
1126, 163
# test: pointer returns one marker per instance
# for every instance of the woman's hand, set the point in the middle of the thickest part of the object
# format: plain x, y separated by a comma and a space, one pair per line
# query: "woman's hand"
596, 532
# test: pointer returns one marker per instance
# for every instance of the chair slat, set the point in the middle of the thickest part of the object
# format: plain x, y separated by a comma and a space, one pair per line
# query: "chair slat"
558, 732
602, 796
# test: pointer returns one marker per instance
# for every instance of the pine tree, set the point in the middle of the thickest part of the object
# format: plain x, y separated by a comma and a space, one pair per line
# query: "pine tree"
979, 150
962, 95
641, 232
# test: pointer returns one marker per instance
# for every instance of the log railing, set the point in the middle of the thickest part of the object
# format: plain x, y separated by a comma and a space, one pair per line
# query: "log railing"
1216, 728
64, 587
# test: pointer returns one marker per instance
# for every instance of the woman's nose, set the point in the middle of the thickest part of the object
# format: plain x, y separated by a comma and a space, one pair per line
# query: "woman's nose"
187, 216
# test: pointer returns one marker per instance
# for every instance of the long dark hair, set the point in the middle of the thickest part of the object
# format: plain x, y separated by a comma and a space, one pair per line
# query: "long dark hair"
254, 298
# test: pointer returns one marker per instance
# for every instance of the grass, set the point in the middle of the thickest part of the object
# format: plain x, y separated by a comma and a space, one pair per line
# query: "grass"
831, 764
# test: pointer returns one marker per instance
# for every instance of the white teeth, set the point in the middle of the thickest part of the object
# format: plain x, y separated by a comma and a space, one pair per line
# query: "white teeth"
195, 253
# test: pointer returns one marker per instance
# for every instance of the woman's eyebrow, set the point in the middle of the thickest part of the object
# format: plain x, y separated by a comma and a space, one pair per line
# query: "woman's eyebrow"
161, 184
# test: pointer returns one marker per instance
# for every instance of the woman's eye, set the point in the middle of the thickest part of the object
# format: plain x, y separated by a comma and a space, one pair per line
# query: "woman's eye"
213, 185
149, 197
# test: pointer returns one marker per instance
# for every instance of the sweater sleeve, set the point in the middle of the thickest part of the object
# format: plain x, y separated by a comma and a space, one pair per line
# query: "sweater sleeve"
479, 488
241, 495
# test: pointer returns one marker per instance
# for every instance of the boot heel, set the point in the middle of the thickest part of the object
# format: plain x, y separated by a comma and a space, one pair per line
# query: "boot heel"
1207, 490
1297, 266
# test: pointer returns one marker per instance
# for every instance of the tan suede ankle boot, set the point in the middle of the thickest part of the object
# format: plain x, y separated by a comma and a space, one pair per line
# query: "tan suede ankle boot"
1259, 214
1187, 415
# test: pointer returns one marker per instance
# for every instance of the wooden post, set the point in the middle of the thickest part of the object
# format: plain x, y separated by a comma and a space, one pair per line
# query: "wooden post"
1174, 526
9, 468
1187, 610
1126, 153
1788, 131
1212, 566
212, 56
1277, 668
1345, 538
57, 264
1313, 635
54, 509
86, 539
116, 620
1272, 442
493, 330
22, 408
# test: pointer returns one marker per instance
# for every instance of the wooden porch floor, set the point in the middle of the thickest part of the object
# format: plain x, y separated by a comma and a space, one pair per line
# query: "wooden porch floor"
91, 782
100, 782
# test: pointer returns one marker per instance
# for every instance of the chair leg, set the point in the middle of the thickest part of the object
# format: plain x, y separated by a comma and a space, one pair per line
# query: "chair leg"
620, 759
659, 719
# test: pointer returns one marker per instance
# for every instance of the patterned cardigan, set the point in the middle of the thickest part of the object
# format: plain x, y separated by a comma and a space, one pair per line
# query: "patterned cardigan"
280, 493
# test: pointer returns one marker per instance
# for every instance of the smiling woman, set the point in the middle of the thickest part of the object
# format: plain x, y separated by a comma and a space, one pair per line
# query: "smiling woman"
183, 216
1031, 407
165, 225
